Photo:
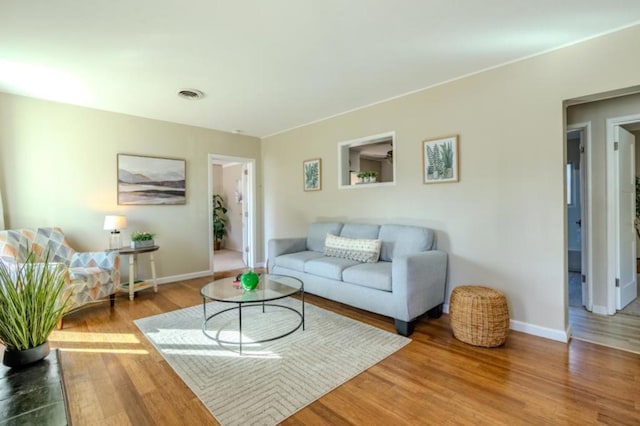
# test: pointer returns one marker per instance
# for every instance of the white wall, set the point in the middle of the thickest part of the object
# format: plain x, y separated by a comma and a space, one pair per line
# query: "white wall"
58, 168
504, 223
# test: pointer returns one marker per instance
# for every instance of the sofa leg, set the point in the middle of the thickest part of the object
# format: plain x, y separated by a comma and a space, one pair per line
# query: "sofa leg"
112, 300
435, 312
404, 328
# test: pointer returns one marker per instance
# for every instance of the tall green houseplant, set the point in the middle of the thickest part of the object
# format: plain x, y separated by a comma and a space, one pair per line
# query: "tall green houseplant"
31, 305
219, 220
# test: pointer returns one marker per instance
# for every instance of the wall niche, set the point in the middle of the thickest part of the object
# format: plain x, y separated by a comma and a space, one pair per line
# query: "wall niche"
367, 162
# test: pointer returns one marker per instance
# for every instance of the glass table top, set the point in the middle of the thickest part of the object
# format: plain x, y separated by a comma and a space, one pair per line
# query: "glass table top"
270, 287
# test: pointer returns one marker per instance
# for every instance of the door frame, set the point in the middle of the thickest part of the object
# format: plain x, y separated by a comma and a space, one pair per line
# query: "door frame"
252, 239
586, 207
612, 207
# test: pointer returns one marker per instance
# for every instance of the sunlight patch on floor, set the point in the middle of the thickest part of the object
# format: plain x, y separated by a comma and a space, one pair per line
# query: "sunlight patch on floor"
90, 337
107, 351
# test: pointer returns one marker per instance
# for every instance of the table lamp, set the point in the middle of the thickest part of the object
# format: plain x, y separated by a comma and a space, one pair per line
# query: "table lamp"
114, 224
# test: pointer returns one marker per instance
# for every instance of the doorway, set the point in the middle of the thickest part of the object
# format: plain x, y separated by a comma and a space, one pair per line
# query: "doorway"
578, 181
578, 292
600, 204
233, 180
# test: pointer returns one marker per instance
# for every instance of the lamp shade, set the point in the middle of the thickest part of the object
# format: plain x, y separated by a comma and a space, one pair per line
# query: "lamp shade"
113, 223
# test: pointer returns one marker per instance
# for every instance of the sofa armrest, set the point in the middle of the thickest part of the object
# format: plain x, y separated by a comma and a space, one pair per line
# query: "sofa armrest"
108, 260
280, 246
418, 283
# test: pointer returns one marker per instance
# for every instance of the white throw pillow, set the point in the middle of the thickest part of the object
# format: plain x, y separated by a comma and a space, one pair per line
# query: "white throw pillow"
360, 250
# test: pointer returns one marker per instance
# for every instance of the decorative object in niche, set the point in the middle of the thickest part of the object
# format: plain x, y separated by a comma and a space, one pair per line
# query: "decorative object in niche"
367, 177
368, 160
312, 174
440, 160
151, 180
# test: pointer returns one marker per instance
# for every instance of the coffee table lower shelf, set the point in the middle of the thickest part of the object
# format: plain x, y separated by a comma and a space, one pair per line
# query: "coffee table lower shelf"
139, 285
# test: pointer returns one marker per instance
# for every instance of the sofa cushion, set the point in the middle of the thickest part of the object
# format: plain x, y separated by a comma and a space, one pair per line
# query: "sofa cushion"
358, 249
372, 275
359, 230
318, 232
297, 260
401, 240
328, 267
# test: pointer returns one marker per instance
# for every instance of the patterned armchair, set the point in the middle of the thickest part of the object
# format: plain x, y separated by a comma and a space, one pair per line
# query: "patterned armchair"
91, 276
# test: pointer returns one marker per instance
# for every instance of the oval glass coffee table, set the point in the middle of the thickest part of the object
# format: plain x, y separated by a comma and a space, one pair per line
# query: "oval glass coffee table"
270, 288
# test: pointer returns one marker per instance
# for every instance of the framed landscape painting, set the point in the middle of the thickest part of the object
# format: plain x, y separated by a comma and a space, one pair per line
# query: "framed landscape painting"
440, 160
312, 174
151, 180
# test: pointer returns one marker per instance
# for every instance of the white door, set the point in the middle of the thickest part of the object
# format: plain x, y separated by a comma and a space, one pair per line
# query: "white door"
245, 217
627, 289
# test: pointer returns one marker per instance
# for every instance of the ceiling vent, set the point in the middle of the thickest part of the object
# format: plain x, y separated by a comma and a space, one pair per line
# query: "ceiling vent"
191, 94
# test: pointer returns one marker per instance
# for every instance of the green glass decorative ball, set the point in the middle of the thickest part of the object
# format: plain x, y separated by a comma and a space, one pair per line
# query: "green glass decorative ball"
249, 280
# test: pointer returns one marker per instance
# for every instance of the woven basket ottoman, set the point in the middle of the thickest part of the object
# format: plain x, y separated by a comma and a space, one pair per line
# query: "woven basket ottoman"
479, 315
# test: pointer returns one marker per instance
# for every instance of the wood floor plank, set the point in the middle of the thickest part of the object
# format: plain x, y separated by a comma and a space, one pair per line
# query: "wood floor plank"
114, 376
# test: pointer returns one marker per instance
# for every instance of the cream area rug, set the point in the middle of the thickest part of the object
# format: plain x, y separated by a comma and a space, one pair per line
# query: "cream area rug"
269, 381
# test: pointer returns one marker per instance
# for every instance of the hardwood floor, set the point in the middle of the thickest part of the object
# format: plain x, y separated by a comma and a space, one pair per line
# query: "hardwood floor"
115, 377
620, 331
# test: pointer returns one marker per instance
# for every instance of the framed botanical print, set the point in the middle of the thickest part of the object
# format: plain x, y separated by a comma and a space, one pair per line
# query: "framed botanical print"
312, 174
440, 160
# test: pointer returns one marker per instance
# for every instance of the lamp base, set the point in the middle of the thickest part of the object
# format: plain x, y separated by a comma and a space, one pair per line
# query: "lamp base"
115, 242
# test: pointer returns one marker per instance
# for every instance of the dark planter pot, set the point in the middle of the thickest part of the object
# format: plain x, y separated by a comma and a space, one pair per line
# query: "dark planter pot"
25, 357
217, 245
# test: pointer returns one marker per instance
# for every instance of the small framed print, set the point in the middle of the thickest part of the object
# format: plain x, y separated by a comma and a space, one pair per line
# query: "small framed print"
312, 174
440, 160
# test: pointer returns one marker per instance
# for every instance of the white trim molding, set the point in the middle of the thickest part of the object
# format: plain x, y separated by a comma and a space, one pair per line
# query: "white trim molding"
184, 277
535, 330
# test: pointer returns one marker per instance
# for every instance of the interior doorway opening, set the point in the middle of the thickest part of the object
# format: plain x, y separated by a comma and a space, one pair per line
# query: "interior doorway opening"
579, 207
578, 294
232, 181
598, 320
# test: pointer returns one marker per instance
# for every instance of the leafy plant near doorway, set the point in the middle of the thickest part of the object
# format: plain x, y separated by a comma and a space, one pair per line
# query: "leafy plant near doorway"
219, 220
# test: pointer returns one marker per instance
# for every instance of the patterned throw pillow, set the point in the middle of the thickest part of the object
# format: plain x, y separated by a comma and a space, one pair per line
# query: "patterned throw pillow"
360, 250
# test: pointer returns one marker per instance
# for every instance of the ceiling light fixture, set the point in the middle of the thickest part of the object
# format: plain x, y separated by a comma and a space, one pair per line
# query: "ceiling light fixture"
191, 94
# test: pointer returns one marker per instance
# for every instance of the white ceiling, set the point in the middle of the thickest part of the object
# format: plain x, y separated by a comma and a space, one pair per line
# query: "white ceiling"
268, 66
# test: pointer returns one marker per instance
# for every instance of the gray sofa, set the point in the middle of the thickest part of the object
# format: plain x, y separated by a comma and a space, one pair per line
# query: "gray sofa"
407, 282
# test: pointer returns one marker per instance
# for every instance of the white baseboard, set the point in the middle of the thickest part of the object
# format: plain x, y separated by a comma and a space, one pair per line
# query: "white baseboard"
182, 277
535, 330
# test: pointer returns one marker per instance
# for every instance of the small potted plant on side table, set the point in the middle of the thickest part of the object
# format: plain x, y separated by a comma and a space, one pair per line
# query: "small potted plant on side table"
142, 240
